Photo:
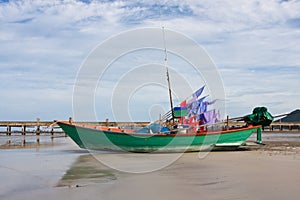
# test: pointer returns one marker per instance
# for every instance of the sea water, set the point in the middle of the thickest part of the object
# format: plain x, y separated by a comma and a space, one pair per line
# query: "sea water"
47, 167
31, 163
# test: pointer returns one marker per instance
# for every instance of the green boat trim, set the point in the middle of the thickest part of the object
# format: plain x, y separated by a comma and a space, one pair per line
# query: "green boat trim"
96, 139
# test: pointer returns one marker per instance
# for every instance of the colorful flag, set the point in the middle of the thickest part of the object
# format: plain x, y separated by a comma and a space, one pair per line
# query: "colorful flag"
198, 92
209, 116
183, 104
191, 100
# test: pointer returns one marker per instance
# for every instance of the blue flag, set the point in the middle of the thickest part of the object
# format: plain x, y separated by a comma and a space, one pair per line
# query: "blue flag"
198, 92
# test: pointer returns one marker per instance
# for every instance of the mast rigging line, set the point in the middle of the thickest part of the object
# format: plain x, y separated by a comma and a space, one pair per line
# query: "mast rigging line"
167, 73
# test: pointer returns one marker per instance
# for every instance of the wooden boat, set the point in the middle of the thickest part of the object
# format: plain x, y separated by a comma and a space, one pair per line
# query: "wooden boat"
102, 138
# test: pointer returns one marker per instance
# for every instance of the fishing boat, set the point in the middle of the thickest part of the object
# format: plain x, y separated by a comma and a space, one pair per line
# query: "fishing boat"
162, 137
191, 126
116, 139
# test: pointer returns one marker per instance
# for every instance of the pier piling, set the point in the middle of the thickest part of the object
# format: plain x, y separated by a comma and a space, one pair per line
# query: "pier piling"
24, 130
8, 132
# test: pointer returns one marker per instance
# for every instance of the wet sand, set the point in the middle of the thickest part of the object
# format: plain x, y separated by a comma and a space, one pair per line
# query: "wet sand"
60, 170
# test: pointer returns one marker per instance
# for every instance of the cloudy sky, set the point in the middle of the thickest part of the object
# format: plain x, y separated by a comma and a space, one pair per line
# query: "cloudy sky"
254, 44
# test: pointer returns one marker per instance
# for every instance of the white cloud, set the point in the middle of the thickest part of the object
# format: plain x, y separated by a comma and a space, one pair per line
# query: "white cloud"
42, 43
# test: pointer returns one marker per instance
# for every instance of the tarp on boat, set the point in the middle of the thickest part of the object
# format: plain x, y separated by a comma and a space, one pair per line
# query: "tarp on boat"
259, 116
154, 129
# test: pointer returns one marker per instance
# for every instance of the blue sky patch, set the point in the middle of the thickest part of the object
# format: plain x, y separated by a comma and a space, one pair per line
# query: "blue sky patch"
23, 21
295, 22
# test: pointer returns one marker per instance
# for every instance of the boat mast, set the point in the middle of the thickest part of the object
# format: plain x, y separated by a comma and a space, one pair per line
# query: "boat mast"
167, 72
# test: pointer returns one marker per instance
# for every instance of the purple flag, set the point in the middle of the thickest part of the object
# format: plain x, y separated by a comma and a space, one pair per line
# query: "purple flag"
210, 116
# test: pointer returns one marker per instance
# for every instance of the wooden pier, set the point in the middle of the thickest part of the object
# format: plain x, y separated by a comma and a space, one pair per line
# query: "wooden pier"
274, 126
49, 127
28, 127
283, 126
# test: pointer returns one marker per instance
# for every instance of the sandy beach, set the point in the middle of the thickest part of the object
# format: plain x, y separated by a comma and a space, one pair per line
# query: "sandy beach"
60, 170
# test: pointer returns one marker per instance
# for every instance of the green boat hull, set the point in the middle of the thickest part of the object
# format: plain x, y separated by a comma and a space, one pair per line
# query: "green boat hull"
95, 139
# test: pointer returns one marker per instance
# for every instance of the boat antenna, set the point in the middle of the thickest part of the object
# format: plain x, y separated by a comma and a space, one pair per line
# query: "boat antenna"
167, 72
